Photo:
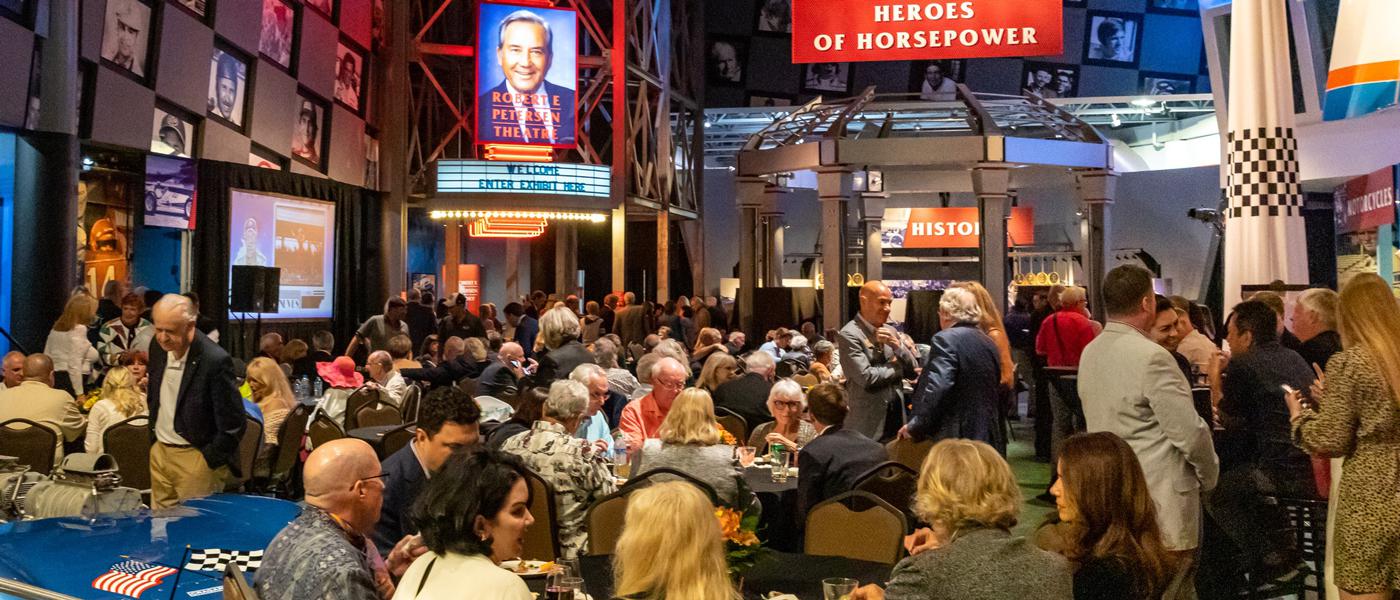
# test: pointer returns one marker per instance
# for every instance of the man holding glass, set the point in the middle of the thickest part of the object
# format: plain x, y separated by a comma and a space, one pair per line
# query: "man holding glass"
874, 361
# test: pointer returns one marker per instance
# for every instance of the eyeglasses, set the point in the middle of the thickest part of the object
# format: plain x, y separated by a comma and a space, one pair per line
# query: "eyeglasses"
380, 476
671, 385
788, 404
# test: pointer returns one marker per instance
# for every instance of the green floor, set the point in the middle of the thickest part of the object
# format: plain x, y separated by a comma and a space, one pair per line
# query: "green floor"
1032, 476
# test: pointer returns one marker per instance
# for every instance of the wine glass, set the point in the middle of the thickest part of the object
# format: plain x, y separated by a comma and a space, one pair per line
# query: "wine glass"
838, 588
747, 454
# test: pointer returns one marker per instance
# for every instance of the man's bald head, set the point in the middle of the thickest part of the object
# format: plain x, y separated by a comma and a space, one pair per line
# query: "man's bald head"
342, 478
510, 351
875, 301
667, 381
38, 367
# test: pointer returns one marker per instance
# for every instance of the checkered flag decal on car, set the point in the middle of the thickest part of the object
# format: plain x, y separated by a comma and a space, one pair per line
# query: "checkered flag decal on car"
214, 559
1264, 173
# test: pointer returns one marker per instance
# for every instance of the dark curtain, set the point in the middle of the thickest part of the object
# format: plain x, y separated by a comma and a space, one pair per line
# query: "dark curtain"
357, 244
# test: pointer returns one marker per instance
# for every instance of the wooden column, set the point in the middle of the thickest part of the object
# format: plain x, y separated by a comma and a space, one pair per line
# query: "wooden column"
750, 201
452, 256
619, 248
663, 254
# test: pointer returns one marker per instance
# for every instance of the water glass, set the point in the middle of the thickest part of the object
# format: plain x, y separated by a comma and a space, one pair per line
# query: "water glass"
576, 584
838, 588
569, 566
781, 462
557, 586
747, 454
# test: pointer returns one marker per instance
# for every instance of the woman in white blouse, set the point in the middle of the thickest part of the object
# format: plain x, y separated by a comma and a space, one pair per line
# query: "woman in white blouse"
121, 400
68, 345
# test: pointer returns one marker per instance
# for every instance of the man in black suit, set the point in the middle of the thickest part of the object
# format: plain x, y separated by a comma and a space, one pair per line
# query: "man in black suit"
526, 327
197, 414
560, 330
957, 393
460, 322
447, 423
420, 318
747, 396
831, 462
502, 377
470, 363
525, 107
631, 323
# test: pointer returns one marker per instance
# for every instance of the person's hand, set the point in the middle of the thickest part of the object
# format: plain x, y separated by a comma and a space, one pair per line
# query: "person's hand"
904, 433
1294, 399
600, 447
868, 592
886, 336
403, 554
1318, 386
777, 438
1216, 365
922, 540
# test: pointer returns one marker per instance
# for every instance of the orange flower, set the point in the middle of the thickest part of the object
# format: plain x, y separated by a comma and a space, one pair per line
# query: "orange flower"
725, 436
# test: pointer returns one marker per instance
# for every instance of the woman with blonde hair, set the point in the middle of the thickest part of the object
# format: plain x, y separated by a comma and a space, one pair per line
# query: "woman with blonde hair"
1355, 414
68, 345
708, 343
689, 440
671, 524
273, 395
719, 369
969, 496
120, 400
992, 325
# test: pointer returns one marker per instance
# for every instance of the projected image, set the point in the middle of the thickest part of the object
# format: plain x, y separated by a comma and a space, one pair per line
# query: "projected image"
294, 234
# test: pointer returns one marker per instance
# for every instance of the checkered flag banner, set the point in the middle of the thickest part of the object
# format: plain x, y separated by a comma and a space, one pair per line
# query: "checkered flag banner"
214, 559
1264, 232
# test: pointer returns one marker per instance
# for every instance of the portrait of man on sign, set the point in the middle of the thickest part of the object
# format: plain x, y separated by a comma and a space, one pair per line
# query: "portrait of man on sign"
522, 106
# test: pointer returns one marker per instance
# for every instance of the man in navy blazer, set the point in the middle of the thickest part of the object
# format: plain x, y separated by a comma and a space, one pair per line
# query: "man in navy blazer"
447, 423
526, 327
831, 463
197, 417
956, 396
525, 107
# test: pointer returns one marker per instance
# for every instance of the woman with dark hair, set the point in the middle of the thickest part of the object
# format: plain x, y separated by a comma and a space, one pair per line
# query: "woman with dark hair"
428, 352
1106, 524
472, 515
530, 409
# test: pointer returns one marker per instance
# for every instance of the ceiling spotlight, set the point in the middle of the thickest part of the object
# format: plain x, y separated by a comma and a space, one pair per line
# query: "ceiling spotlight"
1117, 121
1143, 102
707, 124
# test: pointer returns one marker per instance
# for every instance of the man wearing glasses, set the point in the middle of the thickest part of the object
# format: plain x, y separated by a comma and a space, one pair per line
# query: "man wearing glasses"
643, 416
326, 551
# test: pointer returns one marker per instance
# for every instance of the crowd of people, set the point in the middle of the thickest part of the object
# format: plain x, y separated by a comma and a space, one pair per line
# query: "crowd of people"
1168, 448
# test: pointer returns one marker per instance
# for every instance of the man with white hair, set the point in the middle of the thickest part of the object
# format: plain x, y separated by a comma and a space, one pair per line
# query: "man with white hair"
747, 395
560, 330
641, 418
594, 427
383, 374
572, 466
197, 412
956, 396
1315, 324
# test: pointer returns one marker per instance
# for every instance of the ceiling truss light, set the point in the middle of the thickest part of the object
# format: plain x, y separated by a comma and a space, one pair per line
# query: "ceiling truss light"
519, 214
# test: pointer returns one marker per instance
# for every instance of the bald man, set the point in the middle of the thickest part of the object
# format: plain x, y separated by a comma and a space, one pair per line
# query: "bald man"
326, 551
502, 377
13, 367
641, 418
875, 363
36, 399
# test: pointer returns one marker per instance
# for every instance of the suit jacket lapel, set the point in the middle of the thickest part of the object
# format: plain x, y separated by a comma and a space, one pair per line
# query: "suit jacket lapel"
191, 362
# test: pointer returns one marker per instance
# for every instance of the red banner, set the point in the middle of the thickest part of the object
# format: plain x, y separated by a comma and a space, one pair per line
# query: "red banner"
867, 30
960, 228
1366, 202
469, 283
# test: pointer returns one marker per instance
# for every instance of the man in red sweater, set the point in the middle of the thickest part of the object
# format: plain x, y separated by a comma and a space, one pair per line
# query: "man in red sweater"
1061, 340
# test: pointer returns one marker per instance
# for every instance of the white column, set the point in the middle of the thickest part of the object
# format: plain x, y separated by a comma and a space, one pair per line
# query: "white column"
771, 222
1097, 190
991, 182
834, 190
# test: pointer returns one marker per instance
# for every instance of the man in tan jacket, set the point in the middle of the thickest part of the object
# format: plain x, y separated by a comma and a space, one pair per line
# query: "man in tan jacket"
36, 399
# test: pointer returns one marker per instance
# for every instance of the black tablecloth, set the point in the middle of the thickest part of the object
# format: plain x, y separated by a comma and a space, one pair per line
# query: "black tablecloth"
761, 482
780, 524
796, 574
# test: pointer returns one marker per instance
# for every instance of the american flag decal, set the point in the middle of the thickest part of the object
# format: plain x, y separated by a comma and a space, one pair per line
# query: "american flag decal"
131, 578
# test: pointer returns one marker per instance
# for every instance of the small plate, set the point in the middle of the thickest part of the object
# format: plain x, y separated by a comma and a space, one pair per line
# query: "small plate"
528, 568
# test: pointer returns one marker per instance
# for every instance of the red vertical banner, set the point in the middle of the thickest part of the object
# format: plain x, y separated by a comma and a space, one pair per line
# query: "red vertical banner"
469, 283
866, 30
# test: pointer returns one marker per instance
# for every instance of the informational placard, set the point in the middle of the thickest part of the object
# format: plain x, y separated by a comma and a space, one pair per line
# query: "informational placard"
949, 227
469, 285
526, 74
869, 30
1366, 202
548, 179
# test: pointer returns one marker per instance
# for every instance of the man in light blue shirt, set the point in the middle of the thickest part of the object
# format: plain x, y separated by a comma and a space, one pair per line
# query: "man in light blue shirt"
779, 344
594, 426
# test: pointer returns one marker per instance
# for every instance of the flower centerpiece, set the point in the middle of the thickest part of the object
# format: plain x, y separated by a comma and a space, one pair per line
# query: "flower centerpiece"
739, 528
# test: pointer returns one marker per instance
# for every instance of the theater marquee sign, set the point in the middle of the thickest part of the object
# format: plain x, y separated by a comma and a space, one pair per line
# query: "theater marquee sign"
869, 30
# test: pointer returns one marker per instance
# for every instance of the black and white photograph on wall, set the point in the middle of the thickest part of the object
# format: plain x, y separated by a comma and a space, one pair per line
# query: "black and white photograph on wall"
228, 87
1165, 84
31, 112
1174, 7
126, 35
1114, 38
774, 16
725, 61
349, 76
278, 27
198, 7
769, 99
936, 80
829, 77
264, 158
1050, 80
172, 134
170, 192
325, 7
308, 131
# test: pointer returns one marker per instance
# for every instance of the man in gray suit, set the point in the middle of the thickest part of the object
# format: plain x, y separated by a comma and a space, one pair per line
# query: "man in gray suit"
874, 361
1133, 388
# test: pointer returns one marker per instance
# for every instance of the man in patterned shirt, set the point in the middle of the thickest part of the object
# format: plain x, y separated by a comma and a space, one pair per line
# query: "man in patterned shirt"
570, 464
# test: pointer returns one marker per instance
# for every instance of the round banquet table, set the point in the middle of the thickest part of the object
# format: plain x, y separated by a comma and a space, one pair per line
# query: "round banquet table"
796, 574
779, 525
374, 436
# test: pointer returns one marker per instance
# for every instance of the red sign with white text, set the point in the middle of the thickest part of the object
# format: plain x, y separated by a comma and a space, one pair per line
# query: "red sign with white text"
960, 228
469, 283
1366, 202
867, 30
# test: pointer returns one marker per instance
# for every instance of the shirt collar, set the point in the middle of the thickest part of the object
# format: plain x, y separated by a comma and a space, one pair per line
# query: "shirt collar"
413, 446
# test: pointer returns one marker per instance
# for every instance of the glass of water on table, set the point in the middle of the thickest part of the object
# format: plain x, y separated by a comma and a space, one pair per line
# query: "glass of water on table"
782, 458
838, 588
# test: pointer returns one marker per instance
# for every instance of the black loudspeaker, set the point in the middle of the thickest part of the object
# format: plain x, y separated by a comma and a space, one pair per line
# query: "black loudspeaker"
255, 289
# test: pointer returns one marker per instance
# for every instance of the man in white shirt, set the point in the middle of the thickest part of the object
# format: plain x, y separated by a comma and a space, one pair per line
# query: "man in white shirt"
595, 425
381, 370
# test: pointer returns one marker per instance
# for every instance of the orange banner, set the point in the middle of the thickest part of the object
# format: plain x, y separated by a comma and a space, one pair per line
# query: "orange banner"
959, 228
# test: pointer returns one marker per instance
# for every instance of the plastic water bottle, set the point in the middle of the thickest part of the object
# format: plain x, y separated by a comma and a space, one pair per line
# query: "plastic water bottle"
317, 388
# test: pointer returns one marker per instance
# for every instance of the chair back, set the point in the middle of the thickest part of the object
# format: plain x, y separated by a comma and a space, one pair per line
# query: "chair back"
806, 380
129, 442
236, 585
542, 538
909, 452
377, 413
651, 476
248, 447
734, 424
397, 438
289, 441
856, 525
892, 482
360, 397
468, 386
31, 442
411, 398
605, 519
323, 430
1308, 519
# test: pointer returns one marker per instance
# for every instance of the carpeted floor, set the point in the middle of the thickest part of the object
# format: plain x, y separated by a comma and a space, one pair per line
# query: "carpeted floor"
1032, 476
